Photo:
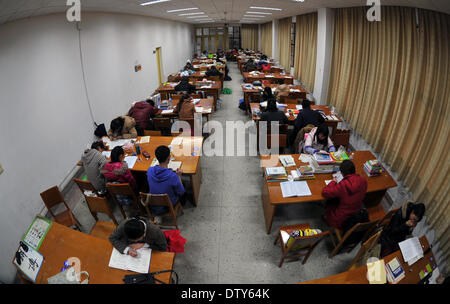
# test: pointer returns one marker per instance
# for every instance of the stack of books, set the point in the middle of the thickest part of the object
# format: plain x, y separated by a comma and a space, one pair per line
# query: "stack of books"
394, 271
339, 157
373, 167
323, 158
276, 174
301, 175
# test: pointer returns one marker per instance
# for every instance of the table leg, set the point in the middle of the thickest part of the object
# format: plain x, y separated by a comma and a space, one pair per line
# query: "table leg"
269, 209
196, 181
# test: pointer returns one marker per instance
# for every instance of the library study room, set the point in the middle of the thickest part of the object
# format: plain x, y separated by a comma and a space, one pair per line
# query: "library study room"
208, 143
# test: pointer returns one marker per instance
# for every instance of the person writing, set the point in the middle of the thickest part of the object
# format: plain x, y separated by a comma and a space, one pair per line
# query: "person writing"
348, 195
123, 127
318, 141
136, 233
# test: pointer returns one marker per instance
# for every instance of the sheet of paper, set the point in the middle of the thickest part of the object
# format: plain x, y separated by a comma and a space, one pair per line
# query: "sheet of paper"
174, 165
270, 76
376, 272
167, 111
338, 176
177, 141
106, 154
411, 249
328, 181
287, 160
305, 158
299, 107
145, 140
196, 100
294, 90
284, 236
31, 262
37, 232
263, 104
275, 171
199, 109
291, 189
131, 160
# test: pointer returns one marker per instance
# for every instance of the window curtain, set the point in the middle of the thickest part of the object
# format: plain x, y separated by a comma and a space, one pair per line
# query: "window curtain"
250, 37
390, 80
284, 43
306, 50
266, 39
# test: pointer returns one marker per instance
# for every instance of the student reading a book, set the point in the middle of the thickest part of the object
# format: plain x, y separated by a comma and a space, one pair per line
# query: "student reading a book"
163, 180
212, 71
401, 225
344, 198
267, 94
307, 116
93, 162
273, 114
318, 140
185, 86
137, 233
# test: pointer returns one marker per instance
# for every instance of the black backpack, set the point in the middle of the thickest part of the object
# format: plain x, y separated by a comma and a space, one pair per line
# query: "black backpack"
100, 131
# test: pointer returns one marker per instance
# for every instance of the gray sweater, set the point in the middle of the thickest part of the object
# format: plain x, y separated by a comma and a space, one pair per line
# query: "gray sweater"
153, 237
93, 162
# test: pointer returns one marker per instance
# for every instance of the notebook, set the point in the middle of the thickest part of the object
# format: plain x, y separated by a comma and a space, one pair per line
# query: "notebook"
140, 264
130, 160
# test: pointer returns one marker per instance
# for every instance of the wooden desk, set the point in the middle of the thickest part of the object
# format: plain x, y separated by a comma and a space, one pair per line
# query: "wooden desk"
272, 197
272, 77
291, 107
206, 103
190, 164
359, 275
61, 243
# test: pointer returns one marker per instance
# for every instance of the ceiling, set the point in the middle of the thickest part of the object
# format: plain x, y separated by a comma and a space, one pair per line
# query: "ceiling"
219, 11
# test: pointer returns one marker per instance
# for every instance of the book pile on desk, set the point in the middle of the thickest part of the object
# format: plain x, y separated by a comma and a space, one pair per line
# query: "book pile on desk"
276, 174
373, 167
339, 157
301, 175
394, 271
323, 158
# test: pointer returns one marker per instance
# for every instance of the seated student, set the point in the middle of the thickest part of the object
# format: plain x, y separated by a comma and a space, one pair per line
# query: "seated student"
267, 94
401, 225
350, 192
250, 65
185, 108
262, 60
93, 162
185, 86
265, 67
142, 112
212, 71
282, 89
123, 127
163, 180
188, 66
117, 169
272, 113
318, 140
226, 78
137, 233
306, 117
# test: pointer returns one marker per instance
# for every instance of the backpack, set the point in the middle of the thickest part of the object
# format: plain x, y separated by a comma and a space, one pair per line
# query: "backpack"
100, 131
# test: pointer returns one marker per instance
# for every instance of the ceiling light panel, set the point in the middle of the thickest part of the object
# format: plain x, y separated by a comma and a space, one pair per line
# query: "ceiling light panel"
266, 8
260, 13
154, 2
183, 9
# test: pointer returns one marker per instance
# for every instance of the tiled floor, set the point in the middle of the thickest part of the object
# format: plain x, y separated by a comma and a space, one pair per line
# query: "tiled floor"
227, 242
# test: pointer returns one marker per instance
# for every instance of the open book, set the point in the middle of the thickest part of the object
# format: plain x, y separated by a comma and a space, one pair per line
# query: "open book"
140, 264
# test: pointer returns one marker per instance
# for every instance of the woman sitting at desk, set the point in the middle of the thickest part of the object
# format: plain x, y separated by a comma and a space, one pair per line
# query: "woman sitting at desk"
185, 86
185, 108
318, 140
267, 94
122, 127
272, 113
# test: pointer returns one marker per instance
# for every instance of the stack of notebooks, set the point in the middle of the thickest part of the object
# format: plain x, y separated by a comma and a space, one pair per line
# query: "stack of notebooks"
373, 167
339, 157
276, 174
323, 158
394, 271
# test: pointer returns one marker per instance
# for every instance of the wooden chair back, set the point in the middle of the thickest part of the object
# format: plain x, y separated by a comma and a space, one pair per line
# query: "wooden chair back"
147, 200
96, 204
282, 142
162, 123
297, 247
366, 247
297, 95
341, 137
341, 240
291, 100
190, 121
214, 78
53, 197
152, 133
122, 189
196, 96
276, 70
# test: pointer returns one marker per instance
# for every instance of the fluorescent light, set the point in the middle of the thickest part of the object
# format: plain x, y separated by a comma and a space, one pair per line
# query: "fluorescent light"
205, 21
255, 16
153, 2
191, 14
198, 17
182, 9
267, 8
261, 13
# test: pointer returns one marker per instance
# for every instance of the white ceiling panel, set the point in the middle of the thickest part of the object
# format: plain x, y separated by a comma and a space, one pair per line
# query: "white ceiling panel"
221, 11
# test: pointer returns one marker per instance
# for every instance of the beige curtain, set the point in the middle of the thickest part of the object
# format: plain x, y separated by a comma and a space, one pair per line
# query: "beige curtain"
266, 39
250, 36
306, 50
284, 43
390, 80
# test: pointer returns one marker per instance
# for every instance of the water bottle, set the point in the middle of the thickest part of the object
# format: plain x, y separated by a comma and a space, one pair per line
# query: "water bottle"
170, 102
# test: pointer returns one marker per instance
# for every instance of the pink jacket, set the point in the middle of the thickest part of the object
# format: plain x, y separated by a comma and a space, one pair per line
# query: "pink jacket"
118, 172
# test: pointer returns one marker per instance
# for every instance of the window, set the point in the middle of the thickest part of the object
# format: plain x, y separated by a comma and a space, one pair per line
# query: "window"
199, 32
234, 35
210, 39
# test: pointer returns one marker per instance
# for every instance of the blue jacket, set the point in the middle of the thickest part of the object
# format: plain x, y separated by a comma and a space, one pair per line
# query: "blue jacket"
162, 180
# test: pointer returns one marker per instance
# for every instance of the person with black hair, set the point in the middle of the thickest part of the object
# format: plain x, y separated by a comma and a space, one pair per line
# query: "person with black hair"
185, 86
117, 169
162, 180
250, 65
282, 89
273, 114
401, 225
93, 162
318, 140
137, 233
142, 112
212, 71
185, 108
307, 116
344, 198
122, 127
267, 94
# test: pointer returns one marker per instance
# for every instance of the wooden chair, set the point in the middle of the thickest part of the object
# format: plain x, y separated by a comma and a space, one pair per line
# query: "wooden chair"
339, 244
53, 197
163, 200
191, 122
300, 244
382, 218
173, 78
341, 138
162, 123
282, 137
123, 189
276, 70
291, 100
152, 133
196, 96
365, 250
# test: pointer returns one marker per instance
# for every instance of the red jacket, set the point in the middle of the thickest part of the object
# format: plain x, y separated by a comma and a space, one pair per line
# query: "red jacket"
350, 192
118, 172
142, 111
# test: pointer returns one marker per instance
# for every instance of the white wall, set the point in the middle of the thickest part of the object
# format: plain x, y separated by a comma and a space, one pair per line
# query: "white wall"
44, 119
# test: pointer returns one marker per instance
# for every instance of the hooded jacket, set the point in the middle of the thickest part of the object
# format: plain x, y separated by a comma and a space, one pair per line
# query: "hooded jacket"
142, 112
350, 192
161, 181
185, 87
119, 172
93, 162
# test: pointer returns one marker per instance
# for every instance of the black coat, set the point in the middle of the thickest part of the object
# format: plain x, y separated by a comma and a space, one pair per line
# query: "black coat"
308, 117
185, 86
396, 232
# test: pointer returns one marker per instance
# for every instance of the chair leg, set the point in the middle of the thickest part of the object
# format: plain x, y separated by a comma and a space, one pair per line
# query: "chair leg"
121, 211
281, 260
276, 239
335, 250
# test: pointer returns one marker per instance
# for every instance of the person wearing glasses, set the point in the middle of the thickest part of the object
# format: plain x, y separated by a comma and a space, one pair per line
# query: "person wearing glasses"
137, 233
